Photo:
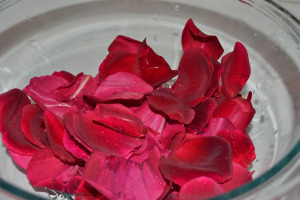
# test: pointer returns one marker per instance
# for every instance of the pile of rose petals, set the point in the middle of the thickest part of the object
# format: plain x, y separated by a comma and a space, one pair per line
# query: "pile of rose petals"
123, 135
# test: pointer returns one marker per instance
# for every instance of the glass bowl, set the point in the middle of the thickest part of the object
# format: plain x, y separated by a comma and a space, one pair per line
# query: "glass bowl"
40, 37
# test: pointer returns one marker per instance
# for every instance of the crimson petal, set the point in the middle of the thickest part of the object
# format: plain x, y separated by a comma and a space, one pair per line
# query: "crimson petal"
198, 156
163, 100
173, 134
55, 134
21, 160
195, 74
218, 124
242, 148
193, 37
45, 170
240, 176
122, 85
118, 178
238, 110
65, 75
154, 69
236, 70
124, 43
11, 106
200, 188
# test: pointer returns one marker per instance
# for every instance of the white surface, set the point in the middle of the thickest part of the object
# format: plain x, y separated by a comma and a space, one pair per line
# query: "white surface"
293, 6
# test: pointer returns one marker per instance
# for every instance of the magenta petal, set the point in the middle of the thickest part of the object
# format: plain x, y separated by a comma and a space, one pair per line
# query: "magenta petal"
42, 92
55, 134
198, 156
195, 74
163, 100
21, 160
118, 178
240, 176
200, 188
33, 127
124, 43
47, 171
236, 70
203, 115
238, 110
193, 37
121, 119
149, 118
218, 124
65, 75
97, 137
242, 148
122, 85
173, 134
154, 69
11, 106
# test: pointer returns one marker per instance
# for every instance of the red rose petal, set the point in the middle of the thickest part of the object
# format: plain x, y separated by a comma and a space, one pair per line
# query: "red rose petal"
65, 75
21, 160
203, 115
173, 134
236, 70
173, 196
149, 118
154, 69
163, 100
55, 135
242, 148
97, 137
124, 43
121, 119
122, 85
118, 178
200, 188
42, 91
198, 156
238, 110
193, 37
195, 74
240, 176
218, 124
45, 170
32, 124
11, 106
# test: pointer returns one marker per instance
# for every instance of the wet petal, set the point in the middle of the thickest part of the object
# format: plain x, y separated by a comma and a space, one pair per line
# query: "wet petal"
11, 106
238, 110
218, 124
195, 74
163, 100
236, 70
198, 156
200, 188
193, 37
242, 148
173, 134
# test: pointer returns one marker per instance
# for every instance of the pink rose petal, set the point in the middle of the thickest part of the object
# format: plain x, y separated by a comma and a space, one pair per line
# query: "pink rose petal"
21, 160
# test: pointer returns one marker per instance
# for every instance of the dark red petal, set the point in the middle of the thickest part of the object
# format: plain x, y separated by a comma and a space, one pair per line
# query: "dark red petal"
149, 118
118, 178
195, 74
47, 171
173, 196
242, 148
118, 61
238, 110
198, 156
203, 115
55, 135
122, 85
100, 138
240, 176
82, 85
124, 43
193, 37
200, 188
84, 191
21, 160
163, 100
173, 134
236, 70
218, 69
120, 119
11, 106
65, 75
32, 124
154, 69
42, 92
218, 124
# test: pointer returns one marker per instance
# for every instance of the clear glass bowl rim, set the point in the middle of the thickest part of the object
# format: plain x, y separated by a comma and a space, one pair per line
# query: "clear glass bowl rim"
294, 152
